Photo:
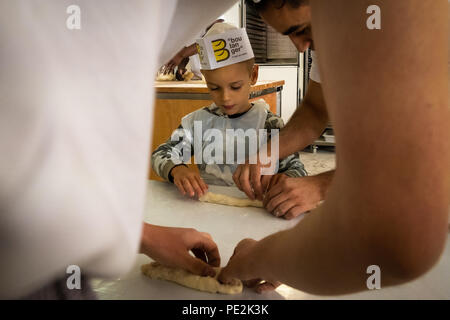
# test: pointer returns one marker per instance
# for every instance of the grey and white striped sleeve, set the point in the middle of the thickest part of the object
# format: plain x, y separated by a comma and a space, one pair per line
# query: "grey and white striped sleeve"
291, 165
175, 151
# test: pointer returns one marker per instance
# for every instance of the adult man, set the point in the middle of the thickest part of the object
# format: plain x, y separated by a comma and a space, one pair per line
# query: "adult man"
388, 202
289, 197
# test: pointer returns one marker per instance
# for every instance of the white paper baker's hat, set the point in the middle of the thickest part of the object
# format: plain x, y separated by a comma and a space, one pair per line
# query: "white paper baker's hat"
222, 45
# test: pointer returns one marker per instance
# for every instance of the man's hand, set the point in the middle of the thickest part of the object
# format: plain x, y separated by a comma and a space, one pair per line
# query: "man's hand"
181, 58
171, 246
289, 197
169, 67
188, 181
239, 267
179, 74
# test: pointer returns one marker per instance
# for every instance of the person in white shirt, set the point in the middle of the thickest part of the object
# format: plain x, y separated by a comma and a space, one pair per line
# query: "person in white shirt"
75, 123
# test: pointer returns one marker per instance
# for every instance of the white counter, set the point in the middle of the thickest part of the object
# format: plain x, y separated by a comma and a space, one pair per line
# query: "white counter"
228, 225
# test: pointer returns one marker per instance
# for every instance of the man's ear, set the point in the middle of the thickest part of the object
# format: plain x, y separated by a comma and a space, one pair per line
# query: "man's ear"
254, 76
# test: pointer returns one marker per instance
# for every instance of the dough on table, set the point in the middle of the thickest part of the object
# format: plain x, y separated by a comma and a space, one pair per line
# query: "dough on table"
165, 77
230, 201
188, 75
155, 270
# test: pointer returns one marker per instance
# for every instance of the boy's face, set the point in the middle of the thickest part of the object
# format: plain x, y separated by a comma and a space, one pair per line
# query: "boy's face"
230, 86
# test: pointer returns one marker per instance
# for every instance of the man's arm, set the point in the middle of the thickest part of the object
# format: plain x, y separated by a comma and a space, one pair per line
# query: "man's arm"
388, 203
306, 124
181, 55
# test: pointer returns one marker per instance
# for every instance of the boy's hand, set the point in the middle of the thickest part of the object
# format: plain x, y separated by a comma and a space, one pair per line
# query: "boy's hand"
248, 179
188, 181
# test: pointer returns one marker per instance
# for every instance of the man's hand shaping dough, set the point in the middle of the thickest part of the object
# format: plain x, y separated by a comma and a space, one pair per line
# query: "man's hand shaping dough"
171, 246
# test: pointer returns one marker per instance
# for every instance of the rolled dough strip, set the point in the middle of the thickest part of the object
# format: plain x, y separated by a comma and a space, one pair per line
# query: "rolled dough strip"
155, 270
230, 201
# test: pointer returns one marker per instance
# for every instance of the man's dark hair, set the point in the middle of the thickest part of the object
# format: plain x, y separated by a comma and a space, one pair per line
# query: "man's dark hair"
262, 5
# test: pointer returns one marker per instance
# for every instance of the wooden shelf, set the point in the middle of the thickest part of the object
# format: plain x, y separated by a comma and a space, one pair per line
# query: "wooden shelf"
200, 86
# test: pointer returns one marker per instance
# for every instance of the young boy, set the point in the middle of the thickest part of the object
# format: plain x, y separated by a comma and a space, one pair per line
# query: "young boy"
229, 75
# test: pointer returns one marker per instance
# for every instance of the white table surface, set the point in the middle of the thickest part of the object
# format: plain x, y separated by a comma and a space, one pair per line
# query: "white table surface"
228, 225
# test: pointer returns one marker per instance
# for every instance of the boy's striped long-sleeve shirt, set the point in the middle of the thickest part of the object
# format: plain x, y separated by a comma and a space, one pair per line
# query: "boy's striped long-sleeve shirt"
161, 157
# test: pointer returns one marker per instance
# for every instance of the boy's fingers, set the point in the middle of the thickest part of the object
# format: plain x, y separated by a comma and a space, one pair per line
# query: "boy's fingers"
265, 180
255, 178
180, 187
245, 184
196, 186
202, 184
236, 177
187, 186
